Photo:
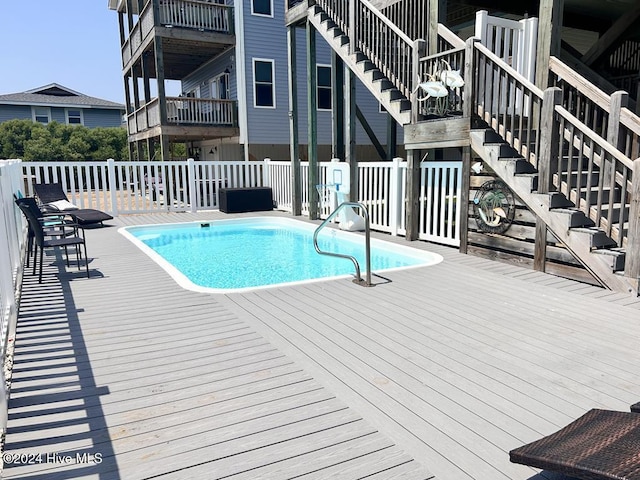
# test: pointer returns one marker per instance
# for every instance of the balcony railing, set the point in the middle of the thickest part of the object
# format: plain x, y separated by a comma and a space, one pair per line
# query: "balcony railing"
202, 15
184, 111
200, 111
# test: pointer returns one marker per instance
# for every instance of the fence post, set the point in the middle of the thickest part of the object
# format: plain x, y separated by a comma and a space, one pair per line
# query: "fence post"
395, 196
112, 185
632, 262
266, 173
418, 51
192, 196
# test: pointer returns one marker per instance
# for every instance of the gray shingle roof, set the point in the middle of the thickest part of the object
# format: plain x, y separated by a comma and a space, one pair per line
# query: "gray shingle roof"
55, 94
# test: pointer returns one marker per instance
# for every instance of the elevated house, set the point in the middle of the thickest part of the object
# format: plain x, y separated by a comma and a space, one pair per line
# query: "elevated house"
55, 102
537, 96
213, 75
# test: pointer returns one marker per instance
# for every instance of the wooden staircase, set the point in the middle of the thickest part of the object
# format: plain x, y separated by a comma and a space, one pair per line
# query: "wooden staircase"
589, 244
372, 77
581, 179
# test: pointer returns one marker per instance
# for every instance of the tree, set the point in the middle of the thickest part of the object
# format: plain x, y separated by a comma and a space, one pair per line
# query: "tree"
55, 141
13, 135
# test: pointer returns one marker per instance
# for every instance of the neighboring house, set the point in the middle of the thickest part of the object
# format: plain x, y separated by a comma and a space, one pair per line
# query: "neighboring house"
60, 104
231, 62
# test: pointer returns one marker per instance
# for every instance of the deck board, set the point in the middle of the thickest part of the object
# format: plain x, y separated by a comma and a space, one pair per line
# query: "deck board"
439, 370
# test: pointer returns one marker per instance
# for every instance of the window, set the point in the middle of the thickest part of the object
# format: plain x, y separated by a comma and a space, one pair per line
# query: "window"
74, 117
219, 87
324, 87
263, 84
262, 7
41, 114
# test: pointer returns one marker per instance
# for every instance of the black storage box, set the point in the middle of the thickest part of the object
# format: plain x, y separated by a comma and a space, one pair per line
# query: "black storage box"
253, 199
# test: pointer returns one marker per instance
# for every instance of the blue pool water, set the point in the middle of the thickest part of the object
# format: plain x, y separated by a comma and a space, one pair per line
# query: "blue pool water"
229, 255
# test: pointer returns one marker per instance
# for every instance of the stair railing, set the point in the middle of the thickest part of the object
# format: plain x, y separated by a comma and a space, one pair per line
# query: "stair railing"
367, 242
508, 102
369, 31
600, 178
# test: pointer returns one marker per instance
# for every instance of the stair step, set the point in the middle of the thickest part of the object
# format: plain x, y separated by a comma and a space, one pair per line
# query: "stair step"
557, 200
503, 149
584, 179
597, 238
530, 178
384, 85
614, 257
323, 16
575, 218
520, 165
614, 215
593, 195
404, 105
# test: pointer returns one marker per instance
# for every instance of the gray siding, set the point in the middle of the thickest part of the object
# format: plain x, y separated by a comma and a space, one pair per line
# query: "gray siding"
266, 38
11, 112
97, 117
206, 73
93, 117
58, 115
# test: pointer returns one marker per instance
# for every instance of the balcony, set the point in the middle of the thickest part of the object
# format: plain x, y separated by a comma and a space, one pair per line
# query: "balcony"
214, 117
198, 21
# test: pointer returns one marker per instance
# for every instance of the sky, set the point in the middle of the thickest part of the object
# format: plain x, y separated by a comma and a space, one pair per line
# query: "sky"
75, 43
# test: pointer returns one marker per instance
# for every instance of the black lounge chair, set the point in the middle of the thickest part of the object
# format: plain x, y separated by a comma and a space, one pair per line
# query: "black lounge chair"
62, 235
600, 445
54, 199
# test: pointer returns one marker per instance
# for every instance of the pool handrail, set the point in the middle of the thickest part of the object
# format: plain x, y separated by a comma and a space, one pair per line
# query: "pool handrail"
367, 236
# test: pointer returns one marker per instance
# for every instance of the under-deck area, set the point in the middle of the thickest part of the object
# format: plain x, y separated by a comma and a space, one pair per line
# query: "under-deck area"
434, 371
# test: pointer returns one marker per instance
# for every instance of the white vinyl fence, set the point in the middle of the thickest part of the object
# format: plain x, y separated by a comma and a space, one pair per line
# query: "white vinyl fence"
12, 243
143, 187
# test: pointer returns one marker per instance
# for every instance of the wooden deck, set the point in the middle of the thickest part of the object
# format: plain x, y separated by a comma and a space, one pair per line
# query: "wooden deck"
434, 371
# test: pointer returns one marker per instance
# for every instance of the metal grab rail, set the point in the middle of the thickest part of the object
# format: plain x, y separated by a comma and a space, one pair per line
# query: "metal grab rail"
367, 237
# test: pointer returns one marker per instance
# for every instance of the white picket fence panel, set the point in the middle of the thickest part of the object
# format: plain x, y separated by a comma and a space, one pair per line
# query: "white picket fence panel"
144, 187
13, 235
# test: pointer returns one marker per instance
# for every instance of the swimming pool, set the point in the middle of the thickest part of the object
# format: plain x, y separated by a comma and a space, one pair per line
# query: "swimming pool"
224, 256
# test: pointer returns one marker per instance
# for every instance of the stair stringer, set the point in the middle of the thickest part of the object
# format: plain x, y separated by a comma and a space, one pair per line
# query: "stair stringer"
390, 97
581, 241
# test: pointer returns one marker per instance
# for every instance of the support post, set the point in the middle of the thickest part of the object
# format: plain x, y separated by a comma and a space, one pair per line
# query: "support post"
312, 112
463, 201
294, 150
549, 38
547, 165
350, 138
632, 262
413, 192
419, 49
337, 107
392, 137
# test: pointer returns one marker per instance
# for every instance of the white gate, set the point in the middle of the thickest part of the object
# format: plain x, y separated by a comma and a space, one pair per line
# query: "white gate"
515, 42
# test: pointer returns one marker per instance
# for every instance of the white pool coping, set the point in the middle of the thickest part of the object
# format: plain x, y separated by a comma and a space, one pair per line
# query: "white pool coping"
181, 279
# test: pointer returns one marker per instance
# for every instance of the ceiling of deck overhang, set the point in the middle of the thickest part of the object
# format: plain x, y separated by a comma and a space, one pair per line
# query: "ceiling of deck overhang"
593, 14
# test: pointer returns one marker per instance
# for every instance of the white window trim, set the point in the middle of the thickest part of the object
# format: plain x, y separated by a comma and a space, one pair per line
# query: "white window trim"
273, 81
262, 14
318, 65
66, 114
33, 114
